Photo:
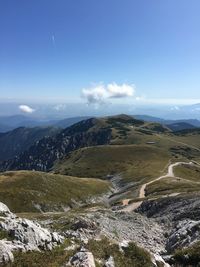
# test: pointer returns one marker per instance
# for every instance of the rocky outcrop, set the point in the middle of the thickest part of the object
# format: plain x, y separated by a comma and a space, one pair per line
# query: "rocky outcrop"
184, 234
83, 258
180, 216
25, 235
6, 254
109, 262
173, 209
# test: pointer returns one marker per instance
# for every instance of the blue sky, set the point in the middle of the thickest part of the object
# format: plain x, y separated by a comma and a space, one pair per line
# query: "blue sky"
51, 49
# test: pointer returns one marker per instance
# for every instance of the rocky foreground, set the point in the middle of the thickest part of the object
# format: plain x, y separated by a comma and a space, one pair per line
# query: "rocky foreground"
23, 235
98, 236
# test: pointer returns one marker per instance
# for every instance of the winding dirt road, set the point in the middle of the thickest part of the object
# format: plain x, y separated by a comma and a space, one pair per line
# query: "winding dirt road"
170, 173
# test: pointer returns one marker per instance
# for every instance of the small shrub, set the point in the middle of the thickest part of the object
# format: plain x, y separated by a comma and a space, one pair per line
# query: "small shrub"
189, 256
132, 255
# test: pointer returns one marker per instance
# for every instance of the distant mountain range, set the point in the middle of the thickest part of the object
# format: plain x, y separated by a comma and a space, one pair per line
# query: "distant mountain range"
174, 125
9, 123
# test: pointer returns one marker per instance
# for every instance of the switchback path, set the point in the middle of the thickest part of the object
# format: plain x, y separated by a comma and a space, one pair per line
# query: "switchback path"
170, 173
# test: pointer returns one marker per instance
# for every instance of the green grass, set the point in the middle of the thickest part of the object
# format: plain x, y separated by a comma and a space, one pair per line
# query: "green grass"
102, 250
131, 256
22, 190
171, 185
188, 172
190, 139
135, 163
55, 258
5, 235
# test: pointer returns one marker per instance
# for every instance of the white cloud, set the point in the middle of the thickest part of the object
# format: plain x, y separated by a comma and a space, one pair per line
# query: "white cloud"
100, 93
26, 109
120, 91
95, 95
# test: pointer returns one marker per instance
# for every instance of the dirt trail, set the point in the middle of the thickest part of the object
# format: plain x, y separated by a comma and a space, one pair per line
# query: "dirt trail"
170, 173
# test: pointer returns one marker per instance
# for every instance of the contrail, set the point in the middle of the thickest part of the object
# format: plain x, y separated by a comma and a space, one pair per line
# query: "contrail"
53, 40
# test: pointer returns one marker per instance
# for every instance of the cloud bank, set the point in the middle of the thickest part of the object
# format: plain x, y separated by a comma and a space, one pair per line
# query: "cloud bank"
60, 107
100, 93
26, 109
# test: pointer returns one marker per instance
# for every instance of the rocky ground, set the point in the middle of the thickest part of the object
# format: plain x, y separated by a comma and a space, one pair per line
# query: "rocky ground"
120, 228
180, 215
24, 235
159, 226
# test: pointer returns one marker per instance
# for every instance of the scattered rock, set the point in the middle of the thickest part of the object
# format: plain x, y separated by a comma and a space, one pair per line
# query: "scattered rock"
83, 258
127, 227
158, 261
83, 229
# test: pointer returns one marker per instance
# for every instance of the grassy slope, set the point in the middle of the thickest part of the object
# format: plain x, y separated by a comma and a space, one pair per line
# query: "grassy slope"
188, 172
135, 163
189, 182
21, 190
171, 185
191, 139
129, 155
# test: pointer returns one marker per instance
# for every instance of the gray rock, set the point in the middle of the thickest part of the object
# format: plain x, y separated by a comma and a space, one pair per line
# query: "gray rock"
6, 254
184, 234
159, 261
110, 262
4, 209
30, 233
83, 258
27, 235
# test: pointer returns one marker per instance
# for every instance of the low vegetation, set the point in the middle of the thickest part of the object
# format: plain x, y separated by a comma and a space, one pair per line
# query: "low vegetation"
5, 235
188, 256
134, 163
130, 256
188, 172
55, 258
30, 191
102, 250
169, 186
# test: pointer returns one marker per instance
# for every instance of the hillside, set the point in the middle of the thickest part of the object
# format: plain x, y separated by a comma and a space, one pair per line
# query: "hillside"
116, 130
91, 132
68, 121
16, 141
143, 208
26, 191
179, 126
193, 122
135, 163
